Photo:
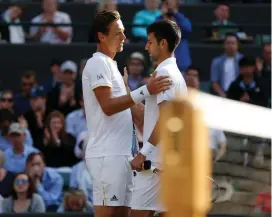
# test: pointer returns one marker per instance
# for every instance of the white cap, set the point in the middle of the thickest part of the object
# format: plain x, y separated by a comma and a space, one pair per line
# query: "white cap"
137, 55
68, 65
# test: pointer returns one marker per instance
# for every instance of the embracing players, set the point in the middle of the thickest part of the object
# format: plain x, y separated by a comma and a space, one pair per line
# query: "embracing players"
109, 119
163, 38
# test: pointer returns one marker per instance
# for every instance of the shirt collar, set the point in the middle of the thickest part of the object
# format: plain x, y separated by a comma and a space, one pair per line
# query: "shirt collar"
24, 153
100, 54
170, 60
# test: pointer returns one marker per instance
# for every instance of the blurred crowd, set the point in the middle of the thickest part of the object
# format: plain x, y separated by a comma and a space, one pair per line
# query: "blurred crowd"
43, 132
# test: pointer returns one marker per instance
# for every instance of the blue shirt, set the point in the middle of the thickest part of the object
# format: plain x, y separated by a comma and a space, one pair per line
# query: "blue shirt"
5, 144
51, 187
16, 163
144, 17
76, 123
21, 104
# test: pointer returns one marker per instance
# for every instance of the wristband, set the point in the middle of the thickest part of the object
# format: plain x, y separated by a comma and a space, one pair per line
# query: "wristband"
139, 94
147, 149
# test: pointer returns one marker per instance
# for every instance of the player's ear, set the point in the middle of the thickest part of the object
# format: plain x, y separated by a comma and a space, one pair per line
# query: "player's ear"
163, 43
100, 36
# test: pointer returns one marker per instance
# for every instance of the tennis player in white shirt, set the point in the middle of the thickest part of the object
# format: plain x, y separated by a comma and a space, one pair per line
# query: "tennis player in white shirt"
163, 38
109, 119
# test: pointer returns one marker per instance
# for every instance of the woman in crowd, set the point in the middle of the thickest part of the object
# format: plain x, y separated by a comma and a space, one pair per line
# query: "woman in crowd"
23, 197
58, 148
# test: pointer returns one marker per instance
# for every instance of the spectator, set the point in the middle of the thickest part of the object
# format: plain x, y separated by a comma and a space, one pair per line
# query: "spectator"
145, 17
65, 97
6, 178
6, 119
76, 121
16, 155
225, 68
170, 11
51, 34
48, 182
218, 141
57, 142
23, 198
7, 101
13, 34
55, 77
263, 204
264, 64
21, 100
75, 201
36, 116
105, 5
248, 87
135, 67
222, 19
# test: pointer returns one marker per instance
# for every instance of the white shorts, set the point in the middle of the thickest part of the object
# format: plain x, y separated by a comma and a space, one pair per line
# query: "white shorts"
146, 192
112, 180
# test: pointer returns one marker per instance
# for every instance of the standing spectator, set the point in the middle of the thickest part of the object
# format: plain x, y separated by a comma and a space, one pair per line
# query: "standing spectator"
51, 34
57, 142
170, 11
23, 198
13, 34
22, 99
65, 96
248, 87
6, 178
76, 120
36, 116
135, 67
55, 77
17, 154
145, 17
48, 182
7, 101
218, 140
75, 201
225, 68
222, 19
6, 119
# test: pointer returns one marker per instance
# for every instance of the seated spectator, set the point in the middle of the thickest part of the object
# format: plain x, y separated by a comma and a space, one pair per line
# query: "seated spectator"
48, 182
51, 34
65, 96
6, 178
22, 99
145, 17
36, 116
225, 68
222, 19
7, 100
218, 141
169, 10
57, 142
263, 204
23, 198
55, 76
6, 119
135, 68
75, 201
248, 87
17, 154
76, 121
12, 34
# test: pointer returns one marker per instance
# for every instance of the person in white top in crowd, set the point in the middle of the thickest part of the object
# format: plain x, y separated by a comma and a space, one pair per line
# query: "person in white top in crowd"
218, 140
109, 119
52, 34
163, 38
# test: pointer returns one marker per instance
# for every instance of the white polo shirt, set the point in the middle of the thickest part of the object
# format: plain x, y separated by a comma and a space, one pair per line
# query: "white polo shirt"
151, 116
108, 135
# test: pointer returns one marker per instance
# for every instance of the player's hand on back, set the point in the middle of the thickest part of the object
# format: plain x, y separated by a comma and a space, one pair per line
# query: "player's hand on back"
158, 84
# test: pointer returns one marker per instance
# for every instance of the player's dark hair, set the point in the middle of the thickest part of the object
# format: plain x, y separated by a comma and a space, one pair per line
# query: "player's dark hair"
102, 20
247, 61
168, 30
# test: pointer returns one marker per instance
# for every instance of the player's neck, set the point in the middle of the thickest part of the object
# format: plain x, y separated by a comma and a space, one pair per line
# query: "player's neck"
105, 50
164, 57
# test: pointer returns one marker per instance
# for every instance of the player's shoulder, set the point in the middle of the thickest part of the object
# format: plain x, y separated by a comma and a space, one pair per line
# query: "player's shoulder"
95, 62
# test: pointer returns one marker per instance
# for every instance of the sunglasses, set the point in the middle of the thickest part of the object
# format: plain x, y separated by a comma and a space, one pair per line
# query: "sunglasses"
20, 181
6, 100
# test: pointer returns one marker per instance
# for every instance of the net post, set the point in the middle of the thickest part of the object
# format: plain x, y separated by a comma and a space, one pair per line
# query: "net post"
186, 156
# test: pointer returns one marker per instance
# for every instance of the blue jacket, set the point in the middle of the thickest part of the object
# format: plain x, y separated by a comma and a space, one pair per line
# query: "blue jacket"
182, 52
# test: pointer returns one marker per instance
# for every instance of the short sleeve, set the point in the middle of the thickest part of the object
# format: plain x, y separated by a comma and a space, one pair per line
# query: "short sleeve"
97, 73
